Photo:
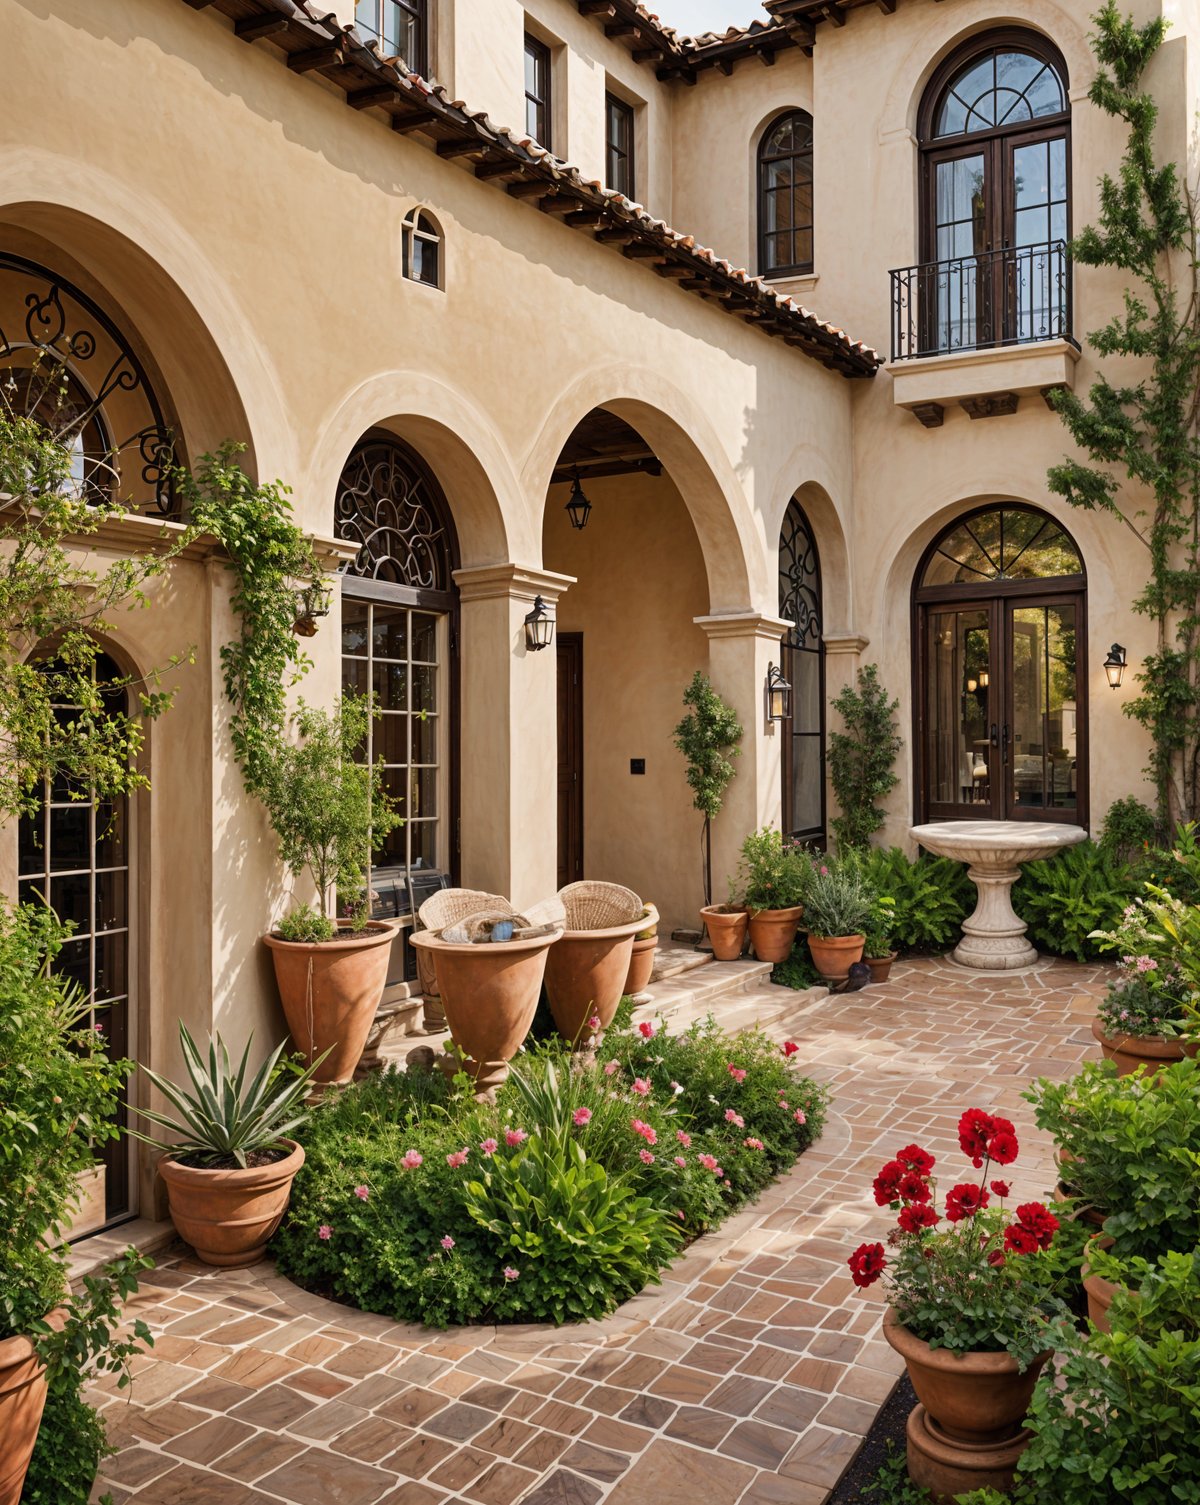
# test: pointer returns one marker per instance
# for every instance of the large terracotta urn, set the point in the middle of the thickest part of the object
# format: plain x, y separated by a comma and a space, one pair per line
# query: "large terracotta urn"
330, 991
968, 1431
490, 994
727, 929
773, 932
22, 1401
1154, 1052
585, 978
229, 1215
834, 955
645, 948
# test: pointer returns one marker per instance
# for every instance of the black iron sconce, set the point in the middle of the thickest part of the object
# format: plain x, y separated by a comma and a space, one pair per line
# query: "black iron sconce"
777, 694
1114, 666
539, 627
311, 603
578, 507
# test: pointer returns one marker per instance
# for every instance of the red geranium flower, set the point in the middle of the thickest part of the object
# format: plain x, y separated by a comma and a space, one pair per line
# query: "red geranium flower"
1019, 1240
1038, 1221
1002, 1145
789, 1047
887, 1183
915, 1217
866, 1265
975, 1128
914, 1188
916, 1159
1001, 1188
996, 1258
964, 1201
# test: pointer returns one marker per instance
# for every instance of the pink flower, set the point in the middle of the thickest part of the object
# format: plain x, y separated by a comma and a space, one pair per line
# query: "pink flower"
709, 1162
1146, 964
641, 1086
510, 1273
610, 1067
325, 1232
647, 1133
734, 1118
412, 1158
676, 1088
679, 1160
645, 1157
736, 1072
824, 872
582, 1117
783, 1102
799, 1116
680, 1216
594, 1022
646, 1030
457, 1159
753, 1144
789, 1047
362, 1193
447, 1242
514, 1137
684, 1139
489, 1146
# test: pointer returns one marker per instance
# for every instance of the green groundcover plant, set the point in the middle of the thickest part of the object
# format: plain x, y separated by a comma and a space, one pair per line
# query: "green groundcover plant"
568, 1195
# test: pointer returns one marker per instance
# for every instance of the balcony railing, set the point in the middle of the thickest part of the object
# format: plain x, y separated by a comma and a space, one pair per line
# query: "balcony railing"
1014, 296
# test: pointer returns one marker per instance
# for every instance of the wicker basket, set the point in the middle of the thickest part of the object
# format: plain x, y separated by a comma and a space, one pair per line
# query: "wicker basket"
450, 905
599, 906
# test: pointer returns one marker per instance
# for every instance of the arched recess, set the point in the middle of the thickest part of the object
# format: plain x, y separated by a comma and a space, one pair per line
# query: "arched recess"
999, 632
802, 654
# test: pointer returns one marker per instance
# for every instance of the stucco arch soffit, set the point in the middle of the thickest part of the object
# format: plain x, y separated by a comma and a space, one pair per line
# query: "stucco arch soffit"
682, 437
459, 444
221, 381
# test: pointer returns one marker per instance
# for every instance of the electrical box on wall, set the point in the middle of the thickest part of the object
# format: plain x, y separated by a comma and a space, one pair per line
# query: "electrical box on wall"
637, 765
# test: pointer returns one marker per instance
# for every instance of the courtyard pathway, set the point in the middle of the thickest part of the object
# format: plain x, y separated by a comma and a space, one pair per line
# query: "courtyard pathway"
748, 1378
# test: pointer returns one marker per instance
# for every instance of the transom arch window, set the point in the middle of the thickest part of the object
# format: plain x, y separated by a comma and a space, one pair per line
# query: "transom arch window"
421, 248
802, 658
785, 196
1000, 602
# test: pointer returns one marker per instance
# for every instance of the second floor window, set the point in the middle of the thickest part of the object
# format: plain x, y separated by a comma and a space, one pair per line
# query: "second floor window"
618, 134
537, 91
785, 196
401, 27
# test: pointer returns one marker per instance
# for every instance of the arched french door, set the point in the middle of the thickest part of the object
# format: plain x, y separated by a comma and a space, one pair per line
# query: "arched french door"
803, 664
1000, 604
400, 642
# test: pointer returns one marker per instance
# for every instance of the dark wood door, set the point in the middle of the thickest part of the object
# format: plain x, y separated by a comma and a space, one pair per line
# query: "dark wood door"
570, 757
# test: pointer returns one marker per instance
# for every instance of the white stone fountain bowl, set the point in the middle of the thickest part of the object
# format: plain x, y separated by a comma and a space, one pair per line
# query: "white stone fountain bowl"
996, 843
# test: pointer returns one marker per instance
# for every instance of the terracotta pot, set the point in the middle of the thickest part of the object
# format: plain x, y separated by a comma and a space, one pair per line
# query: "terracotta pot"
228, 1216
22, 1400
1100, 1292
1131, 1051
880, 966
949, 1469
976, 1398
726, 931
585, 977
641, 965
433, 1015
834, 955
1092, 1215
490, 994
330, 992
773, 932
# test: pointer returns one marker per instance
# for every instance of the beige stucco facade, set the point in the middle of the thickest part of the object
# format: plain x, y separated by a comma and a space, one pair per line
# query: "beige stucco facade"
243, 227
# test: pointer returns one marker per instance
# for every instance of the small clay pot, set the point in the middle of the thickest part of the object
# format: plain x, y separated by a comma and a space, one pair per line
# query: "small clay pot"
585, 978
726, 930
228, 1216
773, 932
330, 991
880, 966
22, 1400
1100, 1292
1131, 1051
834, 955
641, 965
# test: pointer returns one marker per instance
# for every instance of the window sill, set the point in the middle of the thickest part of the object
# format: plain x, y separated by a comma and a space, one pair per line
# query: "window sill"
985, 383
793, 282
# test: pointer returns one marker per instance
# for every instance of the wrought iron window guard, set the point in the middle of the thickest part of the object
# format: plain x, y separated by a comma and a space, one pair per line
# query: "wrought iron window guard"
1014, 296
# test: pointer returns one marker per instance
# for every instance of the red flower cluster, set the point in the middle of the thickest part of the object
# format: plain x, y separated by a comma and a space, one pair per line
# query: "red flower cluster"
866, 1265
916, 1159
984, 1136
1034, 1229
913, 1219
964, 1201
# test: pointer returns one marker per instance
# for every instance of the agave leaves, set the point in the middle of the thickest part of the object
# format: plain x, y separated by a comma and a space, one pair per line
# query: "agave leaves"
224, 1116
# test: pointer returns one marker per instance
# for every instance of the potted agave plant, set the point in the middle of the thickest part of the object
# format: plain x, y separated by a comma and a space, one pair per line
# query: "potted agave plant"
230, 1160
771, 886
970, 1299
329, 811
839, 906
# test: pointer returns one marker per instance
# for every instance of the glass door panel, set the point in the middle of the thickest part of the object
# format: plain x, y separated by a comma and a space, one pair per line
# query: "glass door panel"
1034, 232
959, 676
1043, 711
959, 298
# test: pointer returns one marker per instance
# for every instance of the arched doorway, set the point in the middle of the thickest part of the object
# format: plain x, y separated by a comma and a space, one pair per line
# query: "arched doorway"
803, 664
400, 642
1000, 604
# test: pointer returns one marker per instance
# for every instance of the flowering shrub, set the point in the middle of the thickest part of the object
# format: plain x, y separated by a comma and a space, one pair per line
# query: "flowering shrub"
990, 1279
773, 872
567, 1196
1147, 997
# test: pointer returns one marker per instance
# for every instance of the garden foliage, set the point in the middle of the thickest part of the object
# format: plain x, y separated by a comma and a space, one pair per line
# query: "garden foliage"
930, 897
861, 758
1064, 898
773, 873
708, 737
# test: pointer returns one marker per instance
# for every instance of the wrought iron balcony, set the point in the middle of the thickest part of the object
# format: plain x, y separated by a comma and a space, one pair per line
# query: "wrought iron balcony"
1014, 296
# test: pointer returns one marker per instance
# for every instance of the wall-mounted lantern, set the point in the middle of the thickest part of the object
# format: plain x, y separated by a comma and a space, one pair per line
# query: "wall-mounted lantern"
777, 694
578, 507
539, 627
983, 679
311, 603
1114, 666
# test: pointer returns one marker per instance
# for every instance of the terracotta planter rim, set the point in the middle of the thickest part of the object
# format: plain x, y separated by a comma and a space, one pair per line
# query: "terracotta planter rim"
491, 948
375, 933
608, 933
725, 911
978, 1361
253, 1178
787, 913
19, 1349
1153, 1047
855, 939
888, 957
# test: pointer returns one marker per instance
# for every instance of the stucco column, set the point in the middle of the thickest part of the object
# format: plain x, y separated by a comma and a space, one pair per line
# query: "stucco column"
508, 744
741, 648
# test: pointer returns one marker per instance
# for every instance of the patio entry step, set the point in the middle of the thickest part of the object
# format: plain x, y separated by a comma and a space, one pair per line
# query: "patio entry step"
738, 994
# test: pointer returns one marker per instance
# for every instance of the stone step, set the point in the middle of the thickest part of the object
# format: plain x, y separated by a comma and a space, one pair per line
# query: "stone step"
673, 961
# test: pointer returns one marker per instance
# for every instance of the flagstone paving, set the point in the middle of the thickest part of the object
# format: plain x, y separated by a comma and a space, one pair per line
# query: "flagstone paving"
748, 1378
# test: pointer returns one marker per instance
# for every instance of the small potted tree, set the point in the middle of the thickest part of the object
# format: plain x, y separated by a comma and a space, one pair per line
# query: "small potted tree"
838, 907
877, 942
328, 811
708, 738
771, 882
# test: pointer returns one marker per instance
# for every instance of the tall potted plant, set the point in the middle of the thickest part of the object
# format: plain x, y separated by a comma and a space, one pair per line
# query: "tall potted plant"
839, 906
861, 758
708, 738
328, 811
771, 882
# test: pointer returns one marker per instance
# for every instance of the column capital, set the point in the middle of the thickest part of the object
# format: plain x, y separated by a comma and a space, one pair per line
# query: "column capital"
744, 624
513, 582
844, 642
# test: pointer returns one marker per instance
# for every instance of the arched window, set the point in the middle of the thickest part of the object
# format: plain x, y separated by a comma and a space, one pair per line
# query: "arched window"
75, 854
422, 248
1001, 597
803, 664
994, 128
785, 196
399, 640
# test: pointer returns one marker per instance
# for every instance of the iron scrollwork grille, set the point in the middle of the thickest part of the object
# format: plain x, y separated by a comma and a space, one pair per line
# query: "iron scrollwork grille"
803, 656
392, 508
64, 362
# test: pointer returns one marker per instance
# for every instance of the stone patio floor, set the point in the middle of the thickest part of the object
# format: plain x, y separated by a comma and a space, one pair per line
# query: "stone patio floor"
750, 1376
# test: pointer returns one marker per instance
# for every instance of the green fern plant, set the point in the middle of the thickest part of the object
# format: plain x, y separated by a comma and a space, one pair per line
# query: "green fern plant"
1064, 898
930, 897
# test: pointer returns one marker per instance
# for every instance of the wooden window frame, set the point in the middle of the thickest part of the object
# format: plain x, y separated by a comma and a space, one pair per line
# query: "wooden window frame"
617, 157
763, 160
417, 12
541, 100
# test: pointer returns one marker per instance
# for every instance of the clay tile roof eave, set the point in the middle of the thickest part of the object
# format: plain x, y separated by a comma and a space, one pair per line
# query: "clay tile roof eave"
314, 41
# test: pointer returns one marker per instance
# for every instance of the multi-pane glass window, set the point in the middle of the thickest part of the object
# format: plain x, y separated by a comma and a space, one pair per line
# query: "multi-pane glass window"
401, 27
618, 135
785, 195
421, 249
538, 124
803, 663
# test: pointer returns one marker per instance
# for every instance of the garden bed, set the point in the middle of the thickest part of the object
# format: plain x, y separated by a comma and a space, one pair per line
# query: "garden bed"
564, 1199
